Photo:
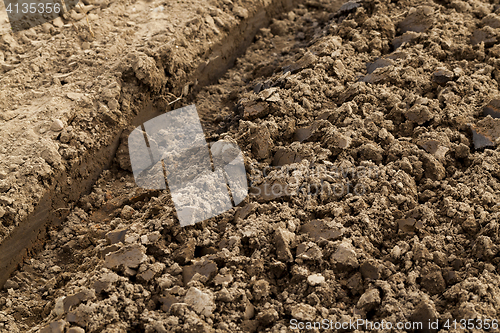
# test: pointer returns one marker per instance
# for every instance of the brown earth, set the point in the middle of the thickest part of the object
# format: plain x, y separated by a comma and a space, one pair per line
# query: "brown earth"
68, 128
377, 124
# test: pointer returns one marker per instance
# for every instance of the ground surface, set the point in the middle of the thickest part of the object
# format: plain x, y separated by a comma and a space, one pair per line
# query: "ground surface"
381, 203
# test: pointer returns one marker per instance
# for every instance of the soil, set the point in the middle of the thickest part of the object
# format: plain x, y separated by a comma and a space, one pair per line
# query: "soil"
370, 136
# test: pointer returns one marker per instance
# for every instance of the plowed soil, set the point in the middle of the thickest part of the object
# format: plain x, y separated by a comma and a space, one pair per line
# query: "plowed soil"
370, 141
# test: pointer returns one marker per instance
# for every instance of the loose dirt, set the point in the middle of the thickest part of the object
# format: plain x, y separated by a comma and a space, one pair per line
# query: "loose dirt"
370, 136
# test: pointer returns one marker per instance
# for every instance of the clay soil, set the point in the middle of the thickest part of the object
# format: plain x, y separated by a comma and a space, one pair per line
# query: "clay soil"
370, 139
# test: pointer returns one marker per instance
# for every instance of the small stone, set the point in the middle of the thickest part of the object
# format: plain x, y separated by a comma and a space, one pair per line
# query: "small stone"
110, 117
370, 270
274, 98
224, 295
58, 22
309, 251
419, 20
211, 23
74, 300
153, 237
250, 311
75, 330
153, 270
419, 114
282, 240
206, 268
348, 7
262, 144
462, 151
375, 77
243, 212
59, 306
303, 312
345, 257
442, 76
480, 140
369, 300
485, 132
492, 109
338, 142
57, 326
302, 134
315, 279
409, 225
116, 236
371, 152
51, 155
284, 156
252, 110
480, 36
46, 27
440, 258
355, 283
185, 253
379, 63
109, 249
257, 88
57, 125
223, 280
307, 60
202, 303
405, 38
261, 289
433, 168
299, 274
491, 20
10, 284
421, 253
129, 256
434, 147
87, 8
310, 133
127, 212
484, 248
240, 12
266, 93
105, 281
167, 301
267, 317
